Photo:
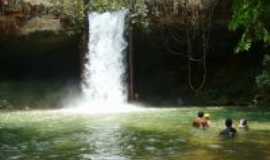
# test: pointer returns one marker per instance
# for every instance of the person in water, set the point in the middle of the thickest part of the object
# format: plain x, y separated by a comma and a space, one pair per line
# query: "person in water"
229, 131
243, 124
199, 121
207, 120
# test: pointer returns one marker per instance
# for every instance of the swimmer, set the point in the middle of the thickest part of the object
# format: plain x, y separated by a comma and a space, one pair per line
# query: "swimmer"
243, 124
199, 121
229, 131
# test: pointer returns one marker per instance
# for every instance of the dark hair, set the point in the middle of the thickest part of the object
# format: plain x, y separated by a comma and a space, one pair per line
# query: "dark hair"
244, 122
228, 122
200, 114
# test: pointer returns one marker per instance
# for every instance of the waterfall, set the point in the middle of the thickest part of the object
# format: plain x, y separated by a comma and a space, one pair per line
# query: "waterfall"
104, 71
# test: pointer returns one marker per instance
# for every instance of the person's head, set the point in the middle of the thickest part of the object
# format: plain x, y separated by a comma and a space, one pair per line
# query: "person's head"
243, 122
200, 114
228, 122
207, 116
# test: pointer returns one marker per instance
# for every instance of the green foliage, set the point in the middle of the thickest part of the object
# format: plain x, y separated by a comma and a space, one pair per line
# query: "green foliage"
107, 5
138, 9
252, 17
74, 12
139, 13
263, 83
263, 80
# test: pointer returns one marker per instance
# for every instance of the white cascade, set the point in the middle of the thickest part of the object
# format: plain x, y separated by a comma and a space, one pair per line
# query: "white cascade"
104, 73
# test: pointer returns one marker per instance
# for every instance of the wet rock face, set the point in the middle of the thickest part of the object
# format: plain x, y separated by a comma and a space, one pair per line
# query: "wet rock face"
43, 23
27, 17
33, 42
8, 25
40, 55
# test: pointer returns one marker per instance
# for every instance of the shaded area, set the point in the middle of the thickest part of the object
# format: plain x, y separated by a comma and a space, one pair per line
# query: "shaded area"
39, 70
162, 77
40, 56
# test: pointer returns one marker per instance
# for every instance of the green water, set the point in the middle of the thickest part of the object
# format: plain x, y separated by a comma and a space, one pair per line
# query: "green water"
163, 134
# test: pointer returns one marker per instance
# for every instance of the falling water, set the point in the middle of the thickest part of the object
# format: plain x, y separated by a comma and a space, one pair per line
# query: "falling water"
105, 67
104, 88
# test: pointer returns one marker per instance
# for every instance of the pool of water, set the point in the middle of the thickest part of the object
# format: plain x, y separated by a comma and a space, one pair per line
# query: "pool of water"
161, 134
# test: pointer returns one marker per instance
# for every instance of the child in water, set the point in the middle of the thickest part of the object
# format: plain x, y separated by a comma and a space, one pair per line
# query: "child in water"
243, 124
207, 120
229, 131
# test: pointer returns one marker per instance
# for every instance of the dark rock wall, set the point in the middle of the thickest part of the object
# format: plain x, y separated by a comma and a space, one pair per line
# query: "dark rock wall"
163, 77
40, 56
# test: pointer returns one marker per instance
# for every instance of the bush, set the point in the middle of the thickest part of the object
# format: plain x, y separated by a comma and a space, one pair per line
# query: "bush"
263, 81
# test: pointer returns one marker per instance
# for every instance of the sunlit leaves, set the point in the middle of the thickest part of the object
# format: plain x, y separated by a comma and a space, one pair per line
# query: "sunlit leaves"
244, 44
74, 11
250, 16
107, 5
138, 9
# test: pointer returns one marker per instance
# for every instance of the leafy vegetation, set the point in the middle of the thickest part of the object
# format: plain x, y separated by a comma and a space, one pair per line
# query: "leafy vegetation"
252, 18
263, 82
107, 5
137, 8
72, 12
75, 12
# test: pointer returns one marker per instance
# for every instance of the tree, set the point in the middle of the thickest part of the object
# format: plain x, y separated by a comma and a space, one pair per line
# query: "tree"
73, 12
252, 18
